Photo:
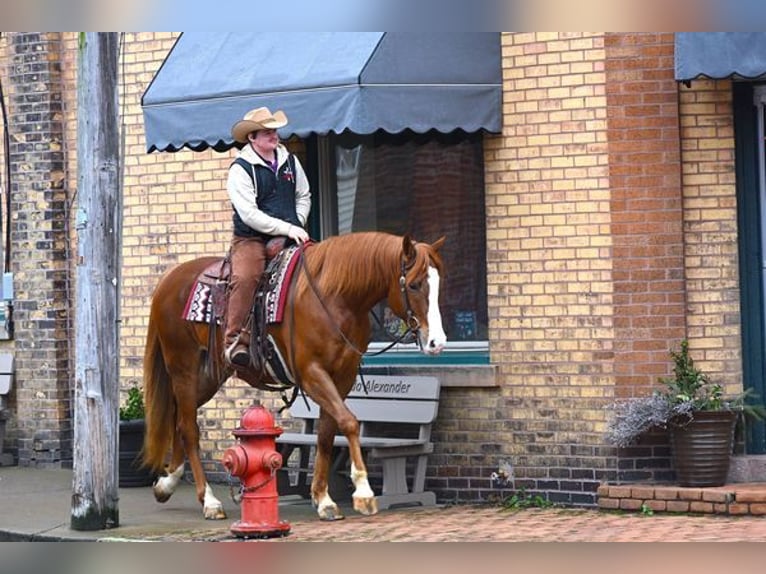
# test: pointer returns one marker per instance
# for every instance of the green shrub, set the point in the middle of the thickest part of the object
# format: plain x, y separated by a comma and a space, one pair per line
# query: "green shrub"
134, 406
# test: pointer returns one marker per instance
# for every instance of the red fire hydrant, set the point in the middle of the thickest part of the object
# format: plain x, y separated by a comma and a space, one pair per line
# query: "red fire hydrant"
255, 461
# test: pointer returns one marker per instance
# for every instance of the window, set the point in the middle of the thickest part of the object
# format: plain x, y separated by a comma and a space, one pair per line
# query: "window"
428, 185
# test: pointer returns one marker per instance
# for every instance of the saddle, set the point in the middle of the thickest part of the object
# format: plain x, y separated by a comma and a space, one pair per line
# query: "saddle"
217, 275
268, 301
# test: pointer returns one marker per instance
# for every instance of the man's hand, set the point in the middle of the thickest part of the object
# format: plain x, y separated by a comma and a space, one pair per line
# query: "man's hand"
298, 234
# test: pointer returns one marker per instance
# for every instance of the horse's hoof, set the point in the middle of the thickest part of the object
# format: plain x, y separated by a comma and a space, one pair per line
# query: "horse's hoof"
328, 512
214, 513
330, 515
161, 495
366, 506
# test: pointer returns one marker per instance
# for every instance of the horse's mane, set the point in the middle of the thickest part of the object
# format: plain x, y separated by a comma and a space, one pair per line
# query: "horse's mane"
354, 263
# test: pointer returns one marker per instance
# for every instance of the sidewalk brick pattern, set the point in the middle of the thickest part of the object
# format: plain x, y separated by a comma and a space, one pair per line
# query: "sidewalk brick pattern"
493, 524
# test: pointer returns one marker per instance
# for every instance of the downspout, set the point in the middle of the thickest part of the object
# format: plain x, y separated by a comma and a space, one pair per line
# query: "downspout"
5, 224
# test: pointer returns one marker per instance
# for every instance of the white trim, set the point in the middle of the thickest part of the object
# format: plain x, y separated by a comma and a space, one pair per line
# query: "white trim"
451, 346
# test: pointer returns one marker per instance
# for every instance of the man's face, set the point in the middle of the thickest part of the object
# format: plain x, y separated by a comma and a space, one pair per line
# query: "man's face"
265, 140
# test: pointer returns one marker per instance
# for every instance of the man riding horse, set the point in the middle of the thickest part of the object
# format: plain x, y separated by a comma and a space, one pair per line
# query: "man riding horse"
270, 197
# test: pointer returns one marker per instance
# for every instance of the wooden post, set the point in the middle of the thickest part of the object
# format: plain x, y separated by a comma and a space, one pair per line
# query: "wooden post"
95, 483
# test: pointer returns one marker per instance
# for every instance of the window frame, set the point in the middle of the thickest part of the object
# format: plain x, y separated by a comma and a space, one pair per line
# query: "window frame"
324, 222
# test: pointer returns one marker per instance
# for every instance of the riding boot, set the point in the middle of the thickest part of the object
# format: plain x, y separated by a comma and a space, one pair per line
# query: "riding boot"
247, 264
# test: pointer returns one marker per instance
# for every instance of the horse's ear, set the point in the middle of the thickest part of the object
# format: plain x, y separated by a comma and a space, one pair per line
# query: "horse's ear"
408, 248
436, 245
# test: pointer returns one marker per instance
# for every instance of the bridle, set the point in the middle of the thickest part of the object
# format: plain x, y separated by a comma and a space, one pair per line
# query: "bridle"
413, 324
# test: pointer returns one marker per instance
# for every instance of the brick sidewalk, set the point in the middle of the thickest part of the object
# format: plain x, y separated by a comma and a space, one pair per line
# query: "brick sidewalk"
485, 524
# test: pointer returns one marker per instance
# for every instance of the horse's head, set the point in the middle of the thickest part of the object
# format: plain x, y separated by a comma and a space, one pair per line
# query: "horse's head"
417, 293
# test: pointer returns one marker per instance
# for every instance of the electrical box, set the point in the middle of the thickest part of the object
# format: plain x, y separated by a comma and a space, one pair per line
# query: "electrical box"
6, 306
7, 286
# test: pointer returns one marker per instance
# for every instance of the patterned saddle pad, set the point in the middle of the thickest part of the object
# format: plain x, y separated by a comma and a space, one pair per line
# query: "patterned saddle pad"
207, 298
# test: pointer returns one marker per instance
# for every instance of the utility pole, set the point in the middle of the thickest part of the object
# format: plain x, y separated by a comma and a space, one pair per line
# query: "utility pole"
96, 399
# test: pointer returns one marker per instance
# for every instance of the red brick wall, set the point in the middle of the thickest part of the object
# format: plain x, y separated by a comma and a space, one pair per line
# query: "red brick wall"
646, 207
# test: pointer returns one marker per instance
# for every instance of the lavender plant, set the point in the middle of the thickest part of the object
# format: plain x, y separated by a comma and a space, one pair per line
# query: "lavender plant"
687, 391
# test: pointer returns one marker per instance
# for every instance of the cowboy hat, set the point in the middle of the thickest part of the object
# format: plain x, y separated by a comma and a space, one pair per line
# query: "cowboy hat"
257, 119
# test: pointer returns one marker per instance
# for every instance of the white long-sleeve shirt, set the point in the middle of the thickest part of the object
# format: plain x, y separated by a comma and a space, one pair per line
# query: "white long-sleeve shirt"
243, 194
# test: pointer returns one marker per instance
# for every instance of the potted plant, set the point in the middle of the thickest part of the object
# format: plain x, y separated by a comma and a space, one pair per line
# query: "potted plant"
700, 421
132, 426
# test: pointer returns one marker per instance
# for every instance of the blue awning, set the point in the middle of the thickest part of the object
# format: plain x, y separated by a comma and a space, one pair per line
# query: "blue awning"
720, 55
360, 82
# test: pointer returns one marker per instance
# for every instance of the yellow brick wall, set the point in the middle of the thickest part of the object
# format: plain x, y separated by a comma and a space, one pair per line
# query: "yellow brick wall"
549, 247
710, 223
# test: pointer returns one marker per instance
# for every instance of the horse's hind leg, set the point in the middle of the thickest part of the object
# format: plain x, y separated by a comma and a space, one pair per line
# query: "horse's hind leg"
166, 485
189, 431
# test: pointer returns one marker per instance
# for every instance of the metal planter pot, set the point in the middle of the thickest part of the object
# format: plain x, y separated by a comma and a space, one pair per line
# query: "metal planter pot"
702, 448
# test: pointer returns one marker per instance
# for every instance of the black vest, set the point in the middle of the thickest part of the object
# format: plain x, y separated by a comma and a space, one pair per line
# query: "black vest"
276, 195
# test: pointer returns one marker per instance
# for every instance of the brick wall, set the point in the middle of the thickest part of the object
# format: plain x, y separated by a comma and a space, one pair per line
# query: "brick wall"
710, 222
646, 206
549, 254
586, 254
39, 249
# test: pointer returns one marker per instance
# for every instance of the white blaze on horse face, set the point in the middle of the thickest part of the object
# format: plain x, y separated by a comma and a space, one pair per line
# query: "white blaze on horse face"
436, 337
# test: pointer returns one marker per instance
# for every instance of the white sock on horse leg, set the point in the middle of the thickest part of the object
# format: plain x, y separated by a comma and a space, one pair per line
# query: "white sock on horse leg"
210, 499
361, 485
169, 483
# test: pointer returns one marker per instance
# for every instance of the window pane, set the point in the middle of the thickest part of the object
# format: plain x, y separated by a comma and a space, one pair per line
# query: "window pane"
427, 185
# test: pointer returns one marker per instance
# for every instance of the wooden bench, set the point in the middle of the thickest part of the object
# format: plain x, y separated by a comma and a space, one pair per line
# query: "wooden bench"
395, 417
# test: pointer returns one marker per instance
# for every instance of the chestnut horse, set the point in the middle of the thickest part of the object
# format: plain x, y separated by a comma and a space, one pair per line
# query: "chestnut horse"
325, 330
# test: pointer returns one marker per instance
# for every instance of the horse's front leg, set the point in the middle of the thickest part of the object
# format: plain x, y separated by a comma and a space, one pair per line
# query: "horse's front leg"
363, 497
320, 495
334, 415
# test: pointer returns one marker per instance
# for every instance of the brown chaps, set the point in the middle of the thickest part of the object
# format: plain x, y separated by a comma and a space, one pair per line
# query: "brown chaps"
248, 259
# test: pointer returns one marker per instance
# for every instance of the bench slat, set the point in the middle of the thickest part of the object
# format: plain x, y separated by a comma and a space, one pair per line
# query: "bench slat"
340, 440
389, 399
366, 410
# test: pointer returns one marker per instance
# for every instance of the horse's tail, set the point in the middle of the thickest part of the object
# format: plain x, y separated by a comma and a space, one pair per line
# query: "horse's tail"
160, 404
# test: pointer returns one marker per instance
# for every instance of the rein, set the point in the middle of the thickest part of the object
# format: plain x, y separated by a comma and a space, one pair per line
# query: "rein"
413, 325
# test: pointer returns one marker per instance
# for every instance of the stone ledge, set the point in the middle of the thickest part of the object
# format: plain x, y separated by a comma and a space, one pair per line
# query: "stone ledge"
731, 499
747, 468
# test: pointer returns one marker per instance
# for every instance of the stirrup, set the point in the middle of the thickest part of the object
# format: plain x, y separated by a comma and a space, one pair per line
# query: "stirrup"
237, 355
